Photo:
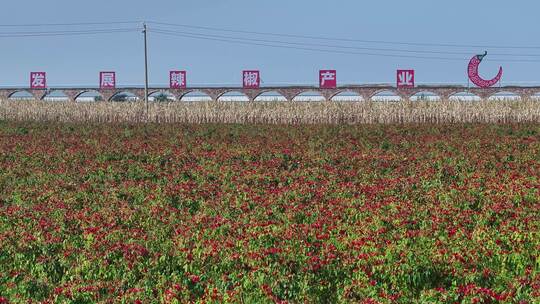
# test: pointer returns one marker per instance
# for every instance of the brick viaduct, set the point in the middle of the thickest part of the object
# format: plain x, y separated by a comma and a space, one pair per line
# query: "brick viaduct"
289, 93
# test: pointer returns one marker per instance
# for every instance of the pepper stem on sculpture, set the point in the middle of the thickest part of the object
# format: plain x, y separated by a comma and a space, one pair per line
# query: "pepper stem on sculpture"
481, 57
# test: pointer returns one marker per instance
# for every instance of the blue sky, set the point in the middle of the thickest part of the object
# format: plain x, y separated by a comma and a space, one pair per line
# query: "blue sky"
77, 60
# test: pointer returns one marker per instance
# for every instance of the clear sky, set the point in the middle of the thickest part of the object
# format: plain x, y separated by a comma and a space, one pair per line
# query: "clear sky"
77, 60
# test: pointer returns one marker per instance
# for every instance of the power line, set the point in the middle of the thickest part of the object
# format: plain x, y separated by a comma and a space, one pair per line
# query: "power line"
34, 34
297, 48
343, 39
283, 35
338, 46
247, 42
69, 24
65, 33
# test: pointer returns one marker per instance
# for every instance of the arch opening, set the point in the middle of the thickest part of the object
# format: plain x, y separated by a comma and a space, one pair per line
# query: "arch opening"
309, 96
505, 96
56, 96
464, 96
386, 96
270, 96
347, 96
425, 96
161, 96
233, 96
125, 97
195, 96
21, 95
89, 96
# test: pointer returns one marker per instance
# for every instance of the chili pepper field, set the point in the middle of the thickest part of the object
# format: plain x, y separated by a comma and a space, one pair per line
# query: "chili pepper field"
218, 213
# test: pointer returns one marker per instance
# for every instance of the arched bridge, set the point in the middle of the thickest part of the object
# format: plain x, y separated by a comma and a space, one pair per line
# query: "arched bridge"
288, 92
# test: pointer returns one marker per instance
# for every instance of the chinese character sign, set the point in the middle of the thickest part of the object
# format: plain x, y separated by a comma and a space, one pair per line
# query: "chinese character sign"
107, 80
38, 80
405, 79
177, 79
327, 79
251, 79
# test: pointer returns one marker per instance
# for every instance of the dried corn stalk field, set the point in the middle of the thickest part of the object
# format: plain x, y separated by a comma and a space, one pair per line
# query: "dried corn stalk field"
500, 111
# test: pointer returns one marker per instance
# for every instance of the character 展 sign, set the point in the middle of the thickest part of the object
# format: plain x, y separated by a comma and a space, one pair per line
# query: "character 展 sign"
107, 80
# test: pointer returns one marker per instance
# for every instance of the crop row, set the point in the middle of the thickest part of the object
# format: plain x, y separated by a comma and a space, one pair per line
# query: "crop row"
437, 112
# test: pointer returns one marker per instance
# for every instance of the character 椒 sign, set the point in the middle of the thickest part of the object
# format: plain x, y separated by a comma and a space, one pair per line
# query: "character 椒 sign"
38, 80
177, 80
251, 79
107, 80
327, 79
405, 79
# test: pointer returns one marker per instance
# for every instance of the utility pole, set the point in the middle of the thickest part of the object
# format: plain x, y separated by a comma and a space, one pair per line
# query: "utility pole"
145, 70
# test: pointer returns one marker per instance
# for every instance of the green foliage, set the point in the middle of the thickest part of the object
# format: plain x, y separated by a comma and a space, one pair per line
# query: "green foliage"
266, 214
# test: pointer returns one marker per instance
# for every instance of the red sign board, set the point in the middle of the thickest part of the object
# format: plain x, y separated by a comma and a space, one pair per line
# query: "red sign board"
405, 79
177, 80
327, 79
251, 79
107, 80
38, 80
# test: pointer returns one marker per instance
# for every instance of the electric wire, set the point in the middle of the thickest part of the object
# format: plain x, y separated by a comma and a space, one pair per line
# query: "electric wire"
69, 24
253, 40
247, 42
342, 39
65, 33
207, 28
338, 46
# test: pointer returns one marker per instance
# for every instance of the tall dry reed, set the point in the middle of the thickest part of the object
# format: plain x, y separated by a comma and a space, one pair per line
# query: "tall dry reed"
502, 111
